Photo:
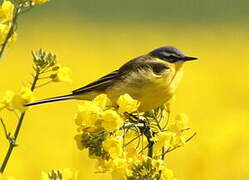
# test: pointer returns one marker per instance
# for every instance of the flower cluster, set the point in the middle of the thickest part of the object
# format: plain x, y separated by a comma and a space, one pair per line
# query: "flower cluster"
46, 70
98, 115
148, 168
118, 137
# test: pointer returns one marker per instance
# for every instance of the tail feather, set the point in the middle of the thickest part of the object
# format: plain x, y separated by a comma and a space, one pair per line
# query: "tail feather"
49, 100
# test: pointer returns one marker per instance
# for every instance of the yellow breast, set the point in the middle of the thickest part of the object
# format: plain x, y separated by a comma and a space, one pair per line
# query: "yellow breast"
150, 89
161, 90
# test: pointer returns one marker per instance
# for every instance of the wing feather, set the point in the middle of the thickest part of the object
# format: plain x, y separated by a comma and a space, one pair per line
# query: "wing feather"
101, 83
135, 65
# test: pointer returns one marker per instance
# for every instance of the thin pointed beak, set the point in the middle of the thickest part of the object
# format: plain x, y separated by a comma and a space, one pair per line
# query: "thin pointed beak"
188, 58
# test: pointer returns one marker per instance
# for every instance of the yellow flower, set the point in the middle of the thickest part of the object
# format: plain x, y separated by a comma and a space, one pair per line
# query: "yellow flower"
167, 174
179, 141
102, 101
131, 152
4, 30
63, 74
6, 101
181, 123
163, 139
37, 2
23, 97
118, 169
111, 120
113, 145
127, 104
6, 11
88, 114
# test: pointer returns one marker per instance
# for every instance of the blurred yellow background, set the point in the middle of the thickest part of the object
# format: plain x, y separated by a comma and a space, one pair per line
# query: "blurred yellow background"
214, 90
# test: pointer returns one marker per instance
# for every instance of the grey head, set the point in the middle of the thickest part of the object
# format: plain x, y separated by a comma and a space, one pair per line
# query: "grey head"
170, 54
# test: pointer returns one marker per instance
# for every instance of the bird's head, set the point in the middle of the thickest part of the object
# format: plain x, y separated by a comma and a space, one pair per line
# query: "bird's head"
170, 54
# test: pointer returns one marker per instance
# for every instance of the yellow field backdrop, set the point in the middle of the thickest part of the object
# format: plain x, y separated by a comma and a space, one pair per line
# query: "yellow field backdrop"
214, 93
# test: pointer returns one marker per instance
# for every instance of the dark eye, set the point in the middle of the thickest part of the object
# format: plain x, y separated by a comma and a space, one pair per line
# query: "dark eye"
173, 58
158, 68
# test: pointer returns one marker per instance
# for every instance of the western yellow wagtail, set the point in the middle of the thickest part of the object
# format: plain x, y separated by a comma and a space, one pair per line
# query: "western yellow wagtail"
151, 79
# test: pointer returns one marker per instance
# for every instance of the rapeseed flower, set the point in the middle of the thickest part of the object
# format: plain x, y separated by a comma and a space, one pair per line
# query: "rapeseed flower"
102, 101
113, 145
180, 123
6, 101
163, 139
4, 30
119, 144
127, 104
6, 11
23, 97
111, 120
178, 141
62, 74
119, 166
88, 114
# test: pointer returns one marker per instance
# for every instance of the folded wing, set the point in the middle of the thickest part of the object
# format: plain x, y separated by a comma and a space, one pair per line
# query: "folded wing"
100, 84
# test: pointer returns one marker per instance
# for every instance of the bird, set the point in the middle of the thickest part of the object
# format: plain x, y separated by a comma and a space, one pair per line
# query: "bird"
151, 79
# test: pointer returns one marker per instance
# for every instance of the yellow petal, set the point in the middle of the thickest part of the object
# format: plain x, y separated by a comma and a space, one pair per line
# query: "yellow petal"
127, 104
111, 120
102, 101
6, 11
63, 74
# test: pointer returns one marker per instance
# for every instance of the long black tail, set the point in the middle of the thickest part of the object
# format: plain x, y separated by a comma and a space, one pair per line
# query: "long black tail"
54, 99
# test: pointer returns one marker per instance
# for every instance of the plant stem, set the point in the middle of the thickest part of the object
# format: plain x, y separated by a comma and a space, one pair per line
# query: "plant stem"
18, 127
149, 134
12, 145
163, 154
150, 148
172, 149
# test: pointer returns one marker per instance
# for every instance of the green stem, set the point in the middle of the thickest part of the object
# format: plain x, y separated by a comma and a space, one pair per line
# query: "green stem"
17, 130
12, 145
163, 154
150, 148
149, 134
